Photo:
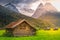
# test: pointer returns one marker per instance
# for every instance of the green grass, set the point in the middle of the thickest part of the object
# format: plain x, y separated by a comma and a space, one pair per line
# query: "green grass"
40, 35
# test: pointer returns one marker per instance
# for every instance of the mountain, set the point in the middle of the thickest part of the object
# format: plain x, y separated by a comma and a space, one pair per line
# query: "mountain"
53, 18
26, 11
42, 9
21, 8
38, 11
8, 16
50, 7
12, 7
48, 13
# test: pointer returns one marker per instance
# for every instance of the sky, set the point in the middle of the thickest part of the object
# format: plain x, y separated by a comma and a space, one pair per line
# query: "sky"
55, 3
32, 3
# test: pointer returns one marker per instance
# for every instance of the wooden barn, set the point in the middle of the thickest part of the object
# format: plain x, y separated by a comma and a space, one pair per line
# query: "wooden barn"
20, 28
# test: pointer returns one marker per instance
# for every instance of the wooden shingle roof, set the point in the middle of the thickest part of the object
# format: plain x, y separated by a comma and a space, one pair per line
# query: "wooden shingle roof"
14, 24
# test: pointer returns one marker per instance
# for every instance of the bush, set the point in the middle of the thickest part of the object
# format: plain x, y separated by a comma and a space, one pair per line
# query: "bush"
7, 34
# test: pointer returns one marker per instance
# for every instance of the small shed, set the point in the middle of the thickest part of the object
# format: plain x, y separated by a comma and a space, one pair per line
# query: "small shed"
55, 28
21, 28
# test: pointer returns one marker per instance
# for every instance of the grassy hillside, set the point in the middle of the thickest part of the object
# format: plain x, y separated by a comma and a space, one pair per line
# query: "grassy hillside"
52, 18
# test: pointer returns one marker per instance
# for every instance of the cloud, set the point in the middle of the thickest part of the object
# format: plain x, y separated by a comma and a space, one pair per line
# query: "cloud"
4, 1
17, 1
23, 1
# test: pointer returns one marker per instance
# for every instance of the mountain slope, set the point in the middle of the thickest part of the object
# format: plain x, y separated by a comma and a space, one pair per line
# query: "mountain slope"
12, 7
20, 8
49, 7
53, 18
48, 13
42, 9
8, 16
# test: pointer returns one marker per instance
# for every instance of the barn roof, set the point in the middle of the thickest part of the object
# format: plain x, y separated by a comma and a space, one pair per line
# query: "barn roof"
14, 24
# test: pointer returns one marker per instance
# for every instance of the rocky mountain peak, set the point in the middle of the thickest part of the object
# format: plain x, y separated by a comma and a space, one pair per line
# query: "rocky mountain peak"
42, 9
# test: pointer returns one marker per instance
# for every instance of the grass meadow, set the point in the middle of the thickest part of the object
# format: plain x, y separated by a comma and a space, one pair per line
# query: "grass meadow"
40, 35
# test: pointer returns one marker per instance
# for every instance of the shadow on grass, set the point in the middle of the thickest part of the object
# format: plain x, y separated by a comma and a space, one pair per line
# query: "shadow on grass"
6, 35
